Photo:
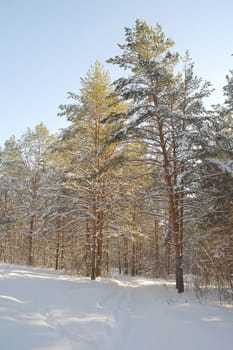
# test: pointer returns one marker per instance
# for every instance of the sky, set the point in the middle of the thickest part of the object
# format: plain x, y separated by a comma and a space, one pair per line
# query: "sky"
48, 45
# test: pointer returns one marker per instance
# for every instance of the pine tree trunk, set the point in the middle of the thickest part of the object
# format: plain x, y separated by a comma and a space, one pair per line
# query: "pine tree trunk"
107, 254
57, 251
133, 257
173, 212
99, 255
179, 274
62, 248
93, 248
119, 255
99, 261
168, 258
126, 256
93, 258
88, 250
31, 230
156, 238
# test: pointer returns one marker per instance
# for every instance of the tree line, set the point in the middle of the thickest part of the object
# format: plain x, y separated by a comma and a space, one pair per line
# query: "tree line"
141, 180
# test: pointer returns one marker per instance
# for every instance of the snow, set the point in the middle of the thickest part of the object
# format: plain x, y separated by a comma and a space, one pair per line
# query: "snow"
224, 166
49, 310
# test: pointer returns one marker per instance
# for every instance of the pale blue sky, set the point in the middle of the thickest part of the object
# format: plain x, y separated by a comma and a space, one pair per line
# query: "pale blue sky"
47, 45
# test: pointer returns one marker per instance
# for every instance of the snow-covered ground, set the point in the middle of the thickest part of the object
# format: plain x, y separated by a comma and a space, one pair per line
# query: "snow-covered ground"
48, 310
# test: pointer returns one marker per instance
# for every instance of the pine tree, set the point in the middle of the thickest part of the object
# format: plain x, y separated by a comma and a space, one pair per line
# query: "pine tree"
163, 105
86, 140
24, 165
215, 174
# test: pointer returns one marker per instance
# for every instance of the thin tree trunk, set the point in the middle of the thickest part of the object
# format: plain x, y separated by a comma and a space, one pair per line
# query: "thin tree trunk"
57, 250
126, 255
168, 258
99, 245
119, 255
88, 250
31, 231
156, 238
62, 247
107, 255
133, 257
93, 249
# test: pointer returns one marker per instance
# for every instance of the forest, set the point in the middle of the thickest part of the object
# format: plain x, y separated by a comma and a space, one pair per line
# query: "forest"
140, 181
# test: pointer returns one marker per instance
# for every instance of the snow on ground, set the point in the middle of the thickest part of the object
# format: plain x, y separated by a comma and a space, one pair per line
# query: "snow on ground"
49, 310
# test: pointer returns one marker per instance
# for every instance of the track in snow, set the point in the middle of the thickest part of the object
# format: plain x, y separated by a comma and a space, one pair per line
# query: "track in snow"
48, 310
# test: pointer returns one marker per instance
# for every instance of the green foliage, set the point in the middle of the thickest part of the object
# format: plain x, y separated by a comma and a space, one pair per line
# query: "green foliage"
228, 91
